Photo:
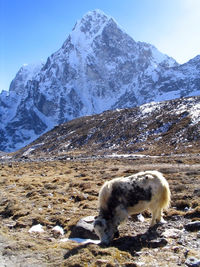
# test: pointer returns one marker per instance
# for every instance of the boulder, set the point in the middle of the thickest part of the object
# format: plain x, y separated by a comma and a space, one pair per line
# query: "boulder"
192, 226
84, 229
192, 262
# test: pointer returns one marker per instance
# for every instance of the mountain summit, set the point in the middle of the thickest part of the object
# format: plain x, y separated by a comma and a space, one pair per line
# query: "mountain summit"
99, 67
89, 27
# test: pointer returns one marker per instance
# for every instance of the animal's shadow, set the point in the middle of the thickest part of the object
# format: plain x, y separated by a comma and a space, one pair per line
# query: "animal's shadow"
151, 239
132, 244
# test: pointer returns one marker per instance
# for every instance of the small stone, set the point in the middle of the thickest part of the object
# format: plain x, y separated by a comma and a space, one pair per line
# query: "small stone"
176, 218
193, 226
57, 231
100, 262
186, 209
172, 233
176, 249
79, 196
140, 218
193, 262
130, 264
197, 192
161, 242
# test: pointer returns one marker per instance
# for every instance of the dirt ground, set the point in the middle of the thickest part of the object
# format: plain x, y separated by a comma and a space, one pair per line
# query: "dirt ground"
54, 193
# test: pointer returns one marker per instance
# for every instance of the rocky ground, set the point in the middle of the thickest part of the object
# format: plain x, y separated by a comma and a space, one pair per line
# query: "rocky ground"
61, 192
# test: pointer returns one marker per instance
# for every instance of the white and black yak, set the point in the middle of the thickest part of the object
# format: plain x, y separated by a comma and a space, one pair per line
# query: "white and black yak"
124, 196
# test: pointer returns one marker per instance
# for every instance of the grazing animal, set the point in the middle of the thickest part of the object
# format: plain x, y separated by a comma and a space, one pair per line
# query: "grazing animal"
130, 195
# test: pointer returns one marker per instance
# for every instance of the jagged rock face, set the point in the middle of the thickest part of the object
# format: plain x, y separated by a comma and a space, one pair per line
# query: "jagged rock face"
26, 73
99, 67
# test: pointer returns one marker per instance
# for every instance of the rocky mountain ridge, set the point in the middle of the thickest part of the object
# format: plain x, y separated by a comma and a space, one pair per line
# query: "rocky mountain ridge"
99, 67
164, 128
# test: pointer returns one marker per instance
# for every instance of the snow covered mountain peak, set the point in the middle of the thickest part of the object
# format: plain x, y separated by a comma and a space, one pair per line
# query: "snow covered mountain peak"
26, 73
88, 27
91, 22
99, 67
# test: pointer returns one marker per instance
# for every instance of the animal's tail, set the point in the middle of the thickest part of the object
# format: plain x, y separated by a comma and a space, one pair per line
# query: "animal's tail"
166, 196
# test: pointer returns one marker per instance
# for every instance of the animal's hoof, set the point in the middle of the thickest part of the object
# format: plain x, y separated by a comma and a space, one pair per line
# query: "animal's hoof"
153, 228
116, 235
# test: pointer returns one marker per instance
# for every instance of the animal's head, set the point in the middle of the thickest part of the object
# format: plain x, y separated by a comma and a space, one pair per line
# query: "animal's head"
104, 229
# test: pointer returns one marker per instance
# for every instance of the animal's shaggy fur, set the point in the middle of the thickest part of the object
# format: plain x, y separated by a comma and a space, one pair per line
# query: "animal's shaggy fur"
130, 195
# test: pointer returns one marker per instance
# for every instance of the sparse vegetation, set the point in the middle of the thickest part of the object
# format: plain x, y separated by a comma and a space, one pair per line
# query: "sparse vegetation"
54, 193
164, 128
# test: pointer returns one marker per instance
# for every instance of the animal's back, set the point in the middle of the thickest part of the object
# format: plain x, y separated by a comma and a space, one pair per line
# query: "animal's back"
160, 188
149, 186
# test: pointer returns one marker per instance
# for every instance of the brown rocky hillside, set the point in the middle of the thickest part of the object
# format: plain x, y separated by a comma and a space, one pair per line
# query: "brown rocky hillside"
153, 129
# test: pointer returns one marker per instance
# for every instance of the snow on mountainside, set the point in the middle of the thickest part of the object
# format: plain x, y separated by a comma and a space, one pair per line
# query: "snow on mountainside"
166, 127
99, 67
27, 72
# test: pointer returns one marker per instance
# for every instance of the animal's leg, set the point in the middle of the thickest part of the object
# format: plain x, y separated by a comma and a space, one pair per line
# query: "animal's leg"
120, 215
158, 215
153, 219
159, 218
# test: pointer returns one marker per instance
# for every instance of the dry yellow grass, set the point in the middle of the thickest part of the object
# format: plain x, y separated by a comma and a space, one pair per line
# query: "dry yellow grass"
62, 192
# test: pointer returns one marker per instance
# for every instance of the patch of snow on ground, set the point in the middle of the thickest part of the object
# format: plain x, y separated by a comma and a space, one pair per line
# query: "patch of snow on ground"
80, 240
148, 108
58, 229
114, 155
195, 113
36, 229
32, 148
193, 109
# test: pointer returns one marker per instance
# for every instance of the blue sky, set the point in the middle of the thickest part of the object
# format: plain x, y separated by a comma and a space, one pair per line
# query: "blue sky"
31, 30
